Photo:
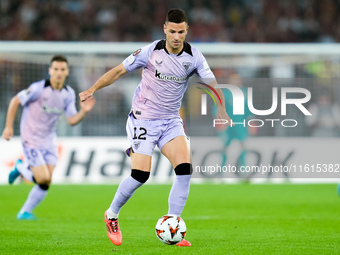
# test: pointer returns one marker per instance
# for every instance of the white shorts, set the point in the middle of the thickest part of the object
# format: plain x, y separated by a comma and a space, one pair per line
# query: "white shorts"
36, 157
144, 135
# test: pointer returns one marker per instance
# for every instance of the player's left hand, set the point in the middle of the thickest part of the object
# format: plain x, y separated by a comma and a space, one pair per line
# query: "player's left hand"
8, 133
222, 114
88, 104
83, 96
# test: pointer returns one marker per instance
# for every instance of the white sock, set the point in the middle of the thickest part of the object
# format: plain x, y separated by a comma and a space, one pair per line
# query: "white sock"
111, 215
124, 192
34, 198
25, 170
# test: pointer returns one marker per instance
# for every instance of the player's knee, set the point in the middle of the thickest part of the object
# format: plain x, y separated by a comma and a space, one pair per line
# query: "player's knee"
183, 169
43, 180
44, 186
139, 175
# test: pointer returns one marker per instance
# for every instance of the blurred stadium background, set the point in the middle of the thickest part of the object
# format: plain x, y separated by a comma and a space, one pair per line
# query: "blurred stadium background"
265, 43
241, 21
286, 43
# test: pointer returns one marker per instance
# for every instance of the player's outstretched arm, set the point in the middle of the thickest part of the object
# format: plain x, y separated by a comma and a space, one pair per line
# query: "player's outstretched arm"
85, 107
12, 111
107, 79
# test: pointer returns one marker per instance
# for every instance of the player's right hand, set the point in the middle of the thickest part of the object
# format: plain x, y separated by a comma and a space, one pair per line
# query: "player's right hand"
8, 133
85, 95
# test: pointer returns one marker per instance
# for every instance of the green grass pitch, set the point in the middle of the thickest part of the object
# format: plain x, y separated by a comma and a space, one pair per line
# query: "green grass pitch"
221, 219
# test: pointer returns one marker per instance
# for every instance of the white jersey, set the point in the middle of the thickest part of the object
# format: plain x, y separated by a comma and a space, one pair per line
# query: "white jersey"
42, 107
164, 78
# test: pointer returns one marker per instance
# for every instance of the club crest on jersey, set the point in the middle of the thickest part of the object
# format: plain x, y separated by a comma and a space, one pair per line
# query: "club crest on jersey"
186, 65
136, 145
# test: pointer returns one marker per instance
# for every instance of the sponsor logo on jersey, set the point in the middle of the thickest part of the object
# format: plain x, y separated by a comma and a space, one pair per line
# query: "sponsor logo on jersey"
47, 109
162, 77
158, 63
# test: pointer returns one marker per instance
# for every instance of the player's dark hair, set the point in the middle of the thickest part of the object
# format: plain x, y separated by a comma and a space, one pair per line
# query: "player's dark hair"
176, 16
59, 58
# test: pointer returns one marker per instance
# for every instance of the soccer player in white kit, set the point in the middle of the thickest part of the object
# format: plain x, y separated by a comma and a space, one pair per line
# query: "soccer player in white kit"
43, 102
154, 118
